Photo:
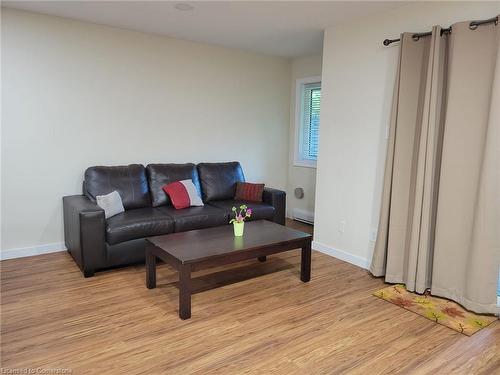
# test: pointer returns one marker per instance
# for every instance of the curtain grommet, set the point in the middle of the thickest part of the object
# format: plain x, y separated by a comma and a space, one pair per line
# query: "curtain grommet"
473, 25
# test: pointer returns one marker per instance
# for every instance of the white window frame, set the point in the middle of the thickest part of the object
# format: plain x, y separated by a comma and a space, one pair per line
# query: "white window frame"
299, 103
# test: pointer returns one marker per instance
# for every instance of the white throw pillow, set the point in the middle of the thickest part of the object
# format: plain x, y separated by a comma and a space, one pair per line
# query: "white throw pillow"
111, 204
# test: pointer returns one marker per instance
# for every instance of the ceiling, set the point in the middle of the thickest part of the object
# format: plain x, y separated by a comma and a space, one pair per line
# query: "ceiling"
280, 28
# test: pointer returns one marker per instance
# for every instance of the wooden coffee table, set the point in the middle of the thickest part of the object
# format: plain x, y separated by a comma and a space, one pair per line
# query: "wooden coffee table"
204, 248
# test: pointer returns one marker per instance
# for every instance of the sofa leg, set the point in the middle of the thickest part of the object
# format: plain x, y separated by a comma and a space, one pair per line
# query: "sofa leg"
262, 258
88, 273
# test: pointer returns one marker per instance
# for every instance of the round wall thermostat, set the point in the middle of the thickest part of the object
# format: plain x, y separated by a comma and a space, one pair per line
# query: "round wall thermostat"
299, 193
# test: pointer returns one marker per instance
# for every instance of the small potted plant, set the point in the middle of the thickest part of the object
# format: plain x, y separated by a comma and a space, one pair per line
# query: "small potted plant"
239, 219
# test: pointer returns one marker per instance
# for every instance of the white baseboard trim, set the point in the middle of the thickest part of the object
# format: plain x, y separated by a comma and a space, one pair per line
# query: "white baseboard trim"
56, 247
342, 255
32, 250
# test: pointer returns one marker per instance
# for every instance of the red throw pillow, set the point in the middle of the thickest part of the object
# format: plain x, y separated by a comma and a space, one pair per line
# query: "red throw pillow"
178, 194
183, 194
246, 191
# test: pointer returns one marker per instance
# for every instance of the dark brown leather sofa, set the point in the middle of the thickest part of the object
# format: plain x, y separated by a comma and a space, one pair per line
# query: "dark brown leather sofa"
96, 243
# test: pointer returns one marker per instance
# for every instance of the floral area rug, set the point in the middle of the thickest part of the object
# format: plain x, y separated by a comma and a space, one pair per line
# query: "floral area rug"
440, 310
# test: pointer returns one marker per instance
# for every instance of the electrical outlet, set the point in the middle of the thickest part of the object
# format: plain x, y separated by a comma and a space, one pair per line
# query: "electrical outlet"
342, 226
373, 235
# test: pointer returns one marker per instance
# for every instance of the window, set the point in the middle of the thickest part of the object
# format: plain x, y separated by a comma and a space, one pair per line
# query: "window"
308, 95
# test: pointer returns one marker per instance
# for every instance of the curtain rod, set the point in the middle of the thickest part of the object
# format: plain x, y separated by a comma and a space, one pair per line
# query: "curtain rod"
473, 26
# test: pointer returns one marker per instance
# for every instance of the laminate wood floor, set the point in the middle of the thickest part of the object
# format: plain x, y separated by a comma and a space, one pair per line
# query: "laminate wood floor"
250, 317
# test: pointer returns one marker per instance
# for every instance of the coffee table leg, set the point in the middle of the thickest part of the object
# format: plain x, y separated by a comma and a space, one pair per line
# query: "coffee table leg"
185, 292
150, 270
262, 258
305, 264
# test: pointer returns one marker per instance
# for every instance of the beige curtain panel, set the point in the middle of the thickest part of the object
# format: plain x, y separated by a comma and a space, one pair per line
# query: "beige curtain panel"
439, 226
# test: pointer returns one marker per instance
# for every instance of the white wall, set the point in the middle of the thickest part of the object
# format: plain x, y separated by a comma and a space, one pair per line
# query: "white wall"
357, 84
303, 67
76, 94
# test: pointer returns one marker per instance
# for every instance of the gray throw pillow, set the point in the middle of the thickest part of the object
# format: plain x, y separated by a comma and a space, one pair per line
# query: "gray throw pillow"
111, 204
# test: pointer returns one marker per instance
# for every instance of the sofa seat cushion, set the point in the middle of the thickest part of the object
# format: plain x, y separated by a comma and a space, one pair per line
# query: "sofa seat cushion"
137, 223
259, 210
196, 217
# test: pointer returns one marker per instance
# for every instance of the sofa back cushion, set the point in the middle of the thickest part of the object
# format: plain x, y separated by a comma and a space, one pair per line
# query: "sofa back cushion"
128, 180
160, 175
218, 180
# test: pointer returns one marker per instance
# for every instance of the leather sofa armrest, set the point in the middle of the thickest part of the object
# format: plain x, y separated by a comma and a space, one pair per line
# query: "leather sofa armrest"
277, 199
84, 232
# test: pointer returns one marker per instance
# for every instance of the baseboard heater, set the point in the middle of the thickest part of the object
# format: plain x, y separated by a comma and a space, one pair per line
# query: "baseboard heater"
303, 215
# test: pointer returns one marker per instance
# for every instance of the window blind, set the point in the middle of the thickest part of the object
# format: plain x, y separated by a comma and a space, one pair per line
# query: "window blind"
310, 121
